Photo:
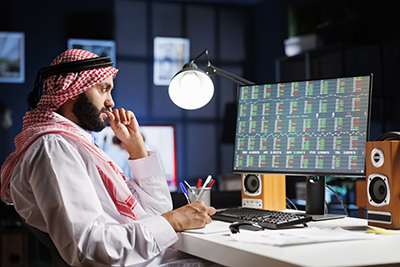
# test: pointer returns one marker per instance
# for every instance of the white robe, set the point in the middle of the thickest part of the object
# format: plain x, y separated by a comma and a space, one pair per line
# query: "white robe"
57, 189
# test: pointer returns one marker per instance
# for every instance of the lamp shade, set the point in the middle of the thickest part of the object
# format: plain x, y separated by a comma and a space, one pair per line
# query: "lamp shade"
191, 88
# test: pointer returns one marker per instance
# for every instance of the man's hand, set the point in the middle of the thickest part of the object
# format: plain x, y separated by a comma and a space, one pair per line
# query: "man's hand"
192, 216
126, 128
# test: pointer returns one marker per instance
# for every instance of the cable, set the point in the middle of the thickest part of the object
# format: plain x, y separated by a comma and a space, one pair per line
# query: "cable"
290, 202
341, 201
388, 135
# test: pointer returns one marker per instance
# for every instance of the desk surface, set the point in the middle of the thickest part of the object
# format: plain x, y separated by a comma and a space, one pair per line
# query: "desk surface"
223, 249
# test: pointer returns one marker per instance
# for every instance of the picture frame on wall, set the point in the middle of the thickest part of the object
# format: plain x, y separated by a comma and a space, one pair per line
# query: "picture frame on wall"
99, 47
170, 54
12, 57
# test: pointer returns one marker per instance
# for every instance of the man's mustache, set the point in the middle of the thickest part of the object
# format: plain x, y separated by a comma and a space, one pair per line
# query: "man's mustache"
105, 109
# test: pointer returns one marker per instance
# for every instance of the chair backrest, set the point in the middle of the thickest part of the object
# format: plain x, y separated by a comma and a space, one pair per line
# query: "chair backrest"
57, 260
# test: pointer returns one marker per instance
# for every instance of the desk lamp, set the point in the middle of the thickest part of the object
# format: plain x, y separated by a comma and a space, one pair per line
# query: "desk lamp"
192, 88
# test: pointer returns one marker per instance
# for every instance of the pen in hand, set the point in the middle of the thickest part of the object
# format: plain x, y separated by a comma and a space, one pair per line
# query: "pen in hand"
191, 190
185, 193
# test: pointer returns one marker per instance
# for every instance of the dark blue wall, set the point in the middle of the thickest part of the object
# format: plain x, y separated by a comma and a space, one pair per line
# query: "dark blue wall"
246, 40
47, 25
225, 30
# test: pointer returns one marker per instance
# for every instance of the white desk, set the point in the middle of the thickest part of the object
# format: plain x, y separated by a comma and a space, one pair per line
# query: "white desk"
223, 249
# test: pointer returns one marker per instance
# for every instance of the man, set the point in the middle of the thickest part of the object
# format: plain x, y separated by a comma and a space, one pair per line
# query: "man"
62, 184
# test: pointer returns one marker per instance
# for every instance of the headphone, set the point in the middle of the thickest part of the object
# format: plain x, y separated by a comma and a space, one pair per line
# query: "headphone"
388, 136
74, 66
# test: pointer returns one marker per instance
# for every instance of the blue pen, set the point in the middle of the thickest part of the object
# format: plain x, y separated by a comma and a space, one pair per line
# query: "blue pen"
191, 190
185, 193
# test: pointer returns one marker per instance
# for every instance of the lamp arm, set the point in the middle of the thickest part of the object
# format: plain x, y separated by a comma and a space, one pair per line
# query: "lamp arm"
204, 52
210, 69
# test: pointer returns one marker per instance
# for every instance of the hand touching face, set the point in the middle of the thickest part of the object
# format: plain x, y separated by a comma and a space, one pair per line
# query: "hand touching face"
126, 128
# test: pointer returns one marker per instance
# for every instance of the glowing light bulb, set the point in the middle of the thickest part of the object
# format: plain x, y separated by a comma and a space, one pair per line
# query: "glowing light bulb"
191, 89
190, 82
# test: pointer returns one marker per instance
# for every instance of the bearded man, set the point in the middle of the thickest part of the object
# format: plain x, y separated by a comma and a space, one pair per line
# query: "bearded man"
62, 184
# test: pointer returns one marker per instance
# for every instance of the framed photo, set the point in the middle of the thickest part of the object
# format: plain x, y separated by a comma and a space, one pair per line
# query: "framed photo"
99, 47
170, 54
12, 57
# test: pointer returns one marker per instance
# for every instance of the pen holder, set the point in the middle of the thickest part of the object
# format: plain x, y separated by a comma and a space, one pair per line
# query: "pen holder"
205, 196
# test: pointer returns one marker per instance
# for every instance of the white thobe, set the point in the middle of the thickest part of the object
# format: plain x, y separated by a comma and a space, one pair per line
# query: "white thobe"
57, 189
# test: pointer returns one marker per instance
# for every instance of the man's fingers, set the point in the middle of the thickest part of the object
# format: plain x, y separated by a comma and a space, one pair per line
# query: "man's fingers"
192, 216
122, 116
117, 116
211, 211
110, 116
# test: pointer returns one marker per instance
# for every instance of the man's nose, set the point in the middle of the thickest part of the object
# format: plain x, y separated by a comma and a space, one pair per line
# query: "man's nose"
109, 102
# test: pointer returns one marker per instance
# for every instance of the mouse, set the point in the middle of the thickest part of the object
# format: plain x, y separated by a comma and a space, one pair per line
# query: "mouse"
235, 227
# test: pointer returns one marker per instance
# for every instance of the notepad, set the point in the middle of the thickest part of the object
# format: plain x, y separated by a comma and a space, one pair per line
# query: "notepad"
213, 227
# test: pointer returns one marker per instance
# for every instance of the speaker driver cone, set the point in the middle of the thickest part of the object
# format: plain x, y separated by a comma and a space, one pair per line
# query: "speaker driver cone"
251, 183
378, 190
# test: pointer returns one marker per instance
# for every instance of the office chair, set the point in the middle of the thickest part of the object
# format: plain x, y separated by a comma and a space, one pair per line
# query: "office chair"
56, 259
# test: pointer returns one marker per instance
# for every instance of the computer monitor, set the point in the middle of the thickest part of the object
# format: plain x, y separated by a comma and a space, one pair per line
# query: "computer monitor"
313, 128
158, 138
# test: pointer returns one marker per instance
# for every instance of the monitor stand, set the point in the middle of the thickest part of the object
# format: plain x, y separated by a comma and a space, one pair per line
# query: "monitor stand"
315, 199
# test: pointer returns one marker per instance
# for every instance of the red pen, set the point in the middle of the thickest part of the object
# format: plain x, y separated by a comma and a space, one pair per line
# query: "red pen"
211, 183
199, 183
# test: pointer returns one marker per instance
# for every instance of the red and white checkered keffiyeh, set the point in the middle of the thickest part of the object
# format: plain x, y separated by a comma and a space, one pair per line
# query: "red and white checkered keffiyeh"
57, 89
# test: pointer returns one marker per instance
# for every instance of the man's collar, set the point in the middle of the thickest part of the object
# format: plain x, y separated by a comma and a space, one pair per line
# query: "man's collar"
86, 133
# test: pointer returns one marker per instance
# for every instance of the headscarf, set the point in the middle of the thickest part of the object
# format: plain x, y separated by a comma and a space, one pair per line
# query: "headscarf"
57, 89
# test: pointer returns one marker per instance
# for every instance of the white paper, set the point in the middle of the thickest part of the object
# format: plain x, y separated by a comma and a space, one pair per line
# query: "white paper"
289, 237
213, 227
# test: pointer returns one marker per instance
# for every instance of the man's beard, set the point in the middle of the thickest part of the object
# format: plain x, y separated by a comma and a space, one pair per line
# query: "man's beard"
88, 114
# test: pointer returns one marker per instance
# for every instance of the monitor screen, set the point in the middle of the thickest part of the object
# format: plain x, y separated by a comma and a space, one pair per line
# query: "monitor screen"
158, 138
308, 128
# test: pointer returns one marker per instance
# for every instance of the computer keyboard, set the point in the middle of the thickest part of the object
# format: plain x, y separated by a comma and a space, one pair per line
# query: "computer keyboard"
266, 218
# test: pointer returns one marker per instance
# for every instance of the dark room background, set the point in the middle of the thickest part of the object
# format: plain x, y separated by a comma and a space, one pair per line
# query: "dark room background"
242, 37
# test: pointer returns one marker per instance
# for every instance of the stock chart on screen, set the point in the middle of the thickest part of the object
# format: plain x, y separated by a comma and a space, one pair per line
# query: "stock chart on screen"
313, 127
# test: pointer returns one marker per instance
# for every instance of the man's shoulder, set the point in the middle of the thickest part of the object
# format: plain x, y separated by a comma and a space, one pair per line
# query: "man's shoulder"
55, 145
55, 138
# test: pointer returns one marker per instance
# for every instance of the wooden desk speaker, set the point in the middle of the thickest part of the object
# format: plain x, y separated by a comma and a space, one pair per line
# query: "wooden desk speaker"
264, 191
383, 183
